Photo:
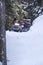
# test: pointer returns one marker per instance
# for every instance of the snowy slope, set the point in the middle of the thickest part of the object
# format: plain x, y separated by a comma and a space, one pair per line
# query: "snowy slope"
26, 48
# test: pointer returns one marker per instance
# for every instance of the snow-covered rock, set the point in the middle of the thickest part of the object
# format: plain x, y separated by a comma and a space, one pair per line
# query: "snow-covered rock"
26, 48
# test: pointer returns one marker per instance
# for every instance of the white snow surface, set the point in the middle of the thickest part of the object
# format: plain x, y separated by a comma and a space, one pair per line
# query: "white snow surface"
26, 48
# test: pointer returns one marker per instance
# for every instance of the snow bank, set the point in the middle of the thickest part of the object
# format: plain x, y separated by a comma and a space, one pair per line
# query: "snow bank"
38, 25
26, 48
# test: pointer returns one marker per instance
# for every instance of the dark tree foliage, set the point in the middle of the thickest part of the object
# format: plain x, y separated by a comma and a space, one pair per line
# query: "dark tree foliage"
39, 2
9, 13
8, 7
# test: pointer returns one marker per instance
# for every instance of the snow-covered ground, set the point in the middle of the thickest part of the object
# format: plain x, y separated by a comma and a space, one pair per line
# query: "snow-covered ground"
26, 48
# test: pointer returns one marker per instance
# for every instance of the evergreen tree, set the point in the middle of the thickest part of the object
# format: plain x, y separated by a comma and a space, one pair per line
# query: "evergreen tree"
9, 13
19, 10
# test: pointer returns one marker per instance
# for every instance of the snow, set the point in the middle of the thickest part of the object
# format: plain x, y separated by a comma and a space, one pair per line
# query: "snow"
26, 48
0, 63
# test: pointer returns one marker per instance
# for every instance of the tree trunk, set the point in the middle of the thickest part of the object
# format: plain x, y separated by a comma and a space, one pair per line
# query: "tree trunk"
2, 33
